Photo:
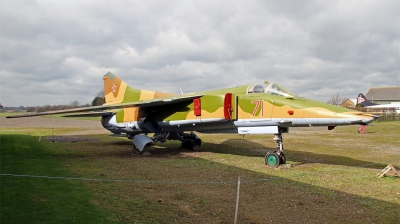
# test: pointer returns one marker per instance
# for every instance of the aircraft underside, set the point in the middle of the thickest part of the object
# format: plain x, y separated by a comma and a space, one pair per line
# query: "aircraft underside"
175, 130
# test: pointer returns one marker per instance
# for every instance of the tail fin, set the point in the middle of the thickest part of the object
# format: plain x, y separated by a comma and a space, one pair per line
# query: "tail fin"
117, 91
363, 101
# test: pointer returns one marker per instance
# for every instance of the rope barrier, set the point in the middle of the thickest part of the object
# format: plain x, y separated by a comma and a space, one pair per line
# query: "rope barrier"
118, 180
182, 182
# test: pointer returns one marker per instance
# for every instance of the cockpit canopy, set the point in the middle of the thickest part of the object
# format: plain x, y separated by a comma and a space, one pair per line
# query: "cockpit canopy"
270, 88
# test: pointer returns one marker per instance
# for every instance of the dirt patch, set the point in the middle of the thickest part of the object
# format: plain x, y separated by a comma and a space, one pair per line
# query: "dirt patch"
69, 138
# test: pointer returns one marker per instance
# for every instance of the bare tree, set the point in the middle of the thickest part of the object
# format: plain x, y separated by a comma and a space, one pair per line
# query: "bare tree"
335, 100
100, 93
74, 103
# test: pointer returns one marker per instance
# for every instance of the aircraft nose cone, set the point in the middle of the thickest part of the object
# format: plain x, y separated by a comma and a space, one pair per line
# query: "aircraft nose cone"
367, 120
370, 119
362, 118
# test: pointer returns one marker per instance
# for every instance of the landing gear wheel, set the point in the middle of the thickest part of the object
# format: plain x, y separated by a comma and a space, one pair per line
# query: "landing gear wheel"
283, 159
272, 159
197, 144
187, 144
191, 144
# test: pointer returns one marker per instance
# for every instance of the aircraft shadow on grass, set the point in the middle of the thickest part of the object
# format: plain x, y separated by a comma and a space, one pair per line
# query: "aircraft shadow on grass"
299, 157
244, 147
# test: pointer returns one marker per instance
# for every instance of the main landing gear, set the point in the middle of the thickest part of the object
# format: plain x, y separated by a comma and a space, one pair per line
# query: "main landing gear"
190, 141
275, 158
142, 142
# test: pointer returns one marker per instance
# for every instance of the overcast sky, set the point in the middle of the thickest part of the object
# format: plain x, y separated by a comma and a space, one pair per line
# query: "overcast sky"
55, 52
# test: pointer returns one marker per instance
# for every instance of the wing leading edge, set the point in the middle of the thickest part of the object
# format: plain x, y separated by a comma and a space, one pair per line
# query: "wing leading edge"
142, 103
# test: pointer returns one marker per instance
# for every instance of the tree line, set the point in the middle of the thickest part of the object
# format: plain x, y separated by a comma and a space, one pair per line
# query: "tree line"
97, 101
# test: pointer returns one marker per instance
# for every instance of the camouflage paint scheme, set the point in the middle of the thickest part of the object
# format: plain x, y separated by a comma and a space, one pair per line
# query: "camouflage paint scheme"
127, 107
262, 108
249, 109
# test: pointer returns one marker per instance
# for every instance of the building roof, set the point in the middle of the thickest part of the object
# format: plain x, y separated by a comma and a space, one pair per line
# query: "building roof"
384, 93
349, 103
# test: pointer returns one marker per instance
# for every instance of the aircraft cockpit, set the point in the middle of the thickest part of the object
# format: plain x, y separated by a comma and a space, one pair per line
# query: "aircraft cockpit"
270, 88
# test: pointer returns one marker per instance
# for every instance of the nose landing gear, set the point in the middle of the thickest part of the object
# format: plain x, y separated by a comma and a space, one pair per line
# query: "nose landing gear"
275, 158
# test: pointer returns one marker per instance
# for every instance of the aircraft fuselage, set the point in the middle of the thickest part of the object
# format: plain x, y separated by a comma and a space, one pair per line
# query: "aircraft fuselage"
247, 110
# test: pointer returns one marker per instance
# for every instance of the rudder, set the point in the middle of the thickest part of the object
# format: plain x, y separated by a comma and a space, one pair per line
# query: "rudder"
117, 91
114, 89
361, 99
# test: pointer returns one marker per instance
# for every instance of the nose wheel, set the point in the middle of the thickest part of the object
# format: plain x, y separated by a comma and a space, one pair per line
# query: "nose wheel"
275, 158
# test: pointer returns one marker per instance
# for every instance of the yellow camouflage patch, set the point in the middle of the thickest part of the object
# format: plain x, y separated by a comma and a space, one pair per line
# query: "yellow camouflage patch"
146, 94
131, 114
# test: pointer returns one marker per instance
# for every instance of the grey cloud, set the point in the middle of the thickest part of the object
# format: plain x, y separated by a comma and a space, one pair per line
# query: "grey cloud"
314, 48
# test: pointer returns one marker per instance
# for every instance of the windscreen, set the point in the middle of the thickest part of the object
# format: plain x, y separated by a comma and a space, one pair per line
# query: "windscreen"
275, 89
270, 88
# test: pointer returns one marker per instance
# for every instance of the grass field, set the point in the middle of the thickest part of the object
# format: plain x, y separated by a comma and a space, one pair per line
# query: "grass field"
332, 179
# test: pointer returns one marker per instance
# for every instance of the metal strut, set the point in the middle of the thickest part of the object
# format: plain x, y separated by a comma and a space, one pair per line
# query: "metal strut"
279, 141
275, 158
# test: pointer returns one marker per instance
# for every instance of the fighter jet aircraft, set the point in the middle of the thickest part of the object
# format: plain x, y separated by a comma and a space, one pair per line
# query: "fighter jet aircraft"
361, 99
265, 108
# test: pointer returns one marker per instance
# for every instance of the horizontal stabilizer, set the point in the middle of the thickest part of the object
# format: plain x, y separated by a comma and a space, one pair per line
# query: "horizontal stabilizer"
74, 110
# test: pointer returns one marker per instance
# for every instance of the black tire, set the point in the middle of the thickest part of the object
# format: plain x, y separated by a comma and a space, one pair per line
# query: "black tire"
187, 144
283, 159
272, 159
198, 142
